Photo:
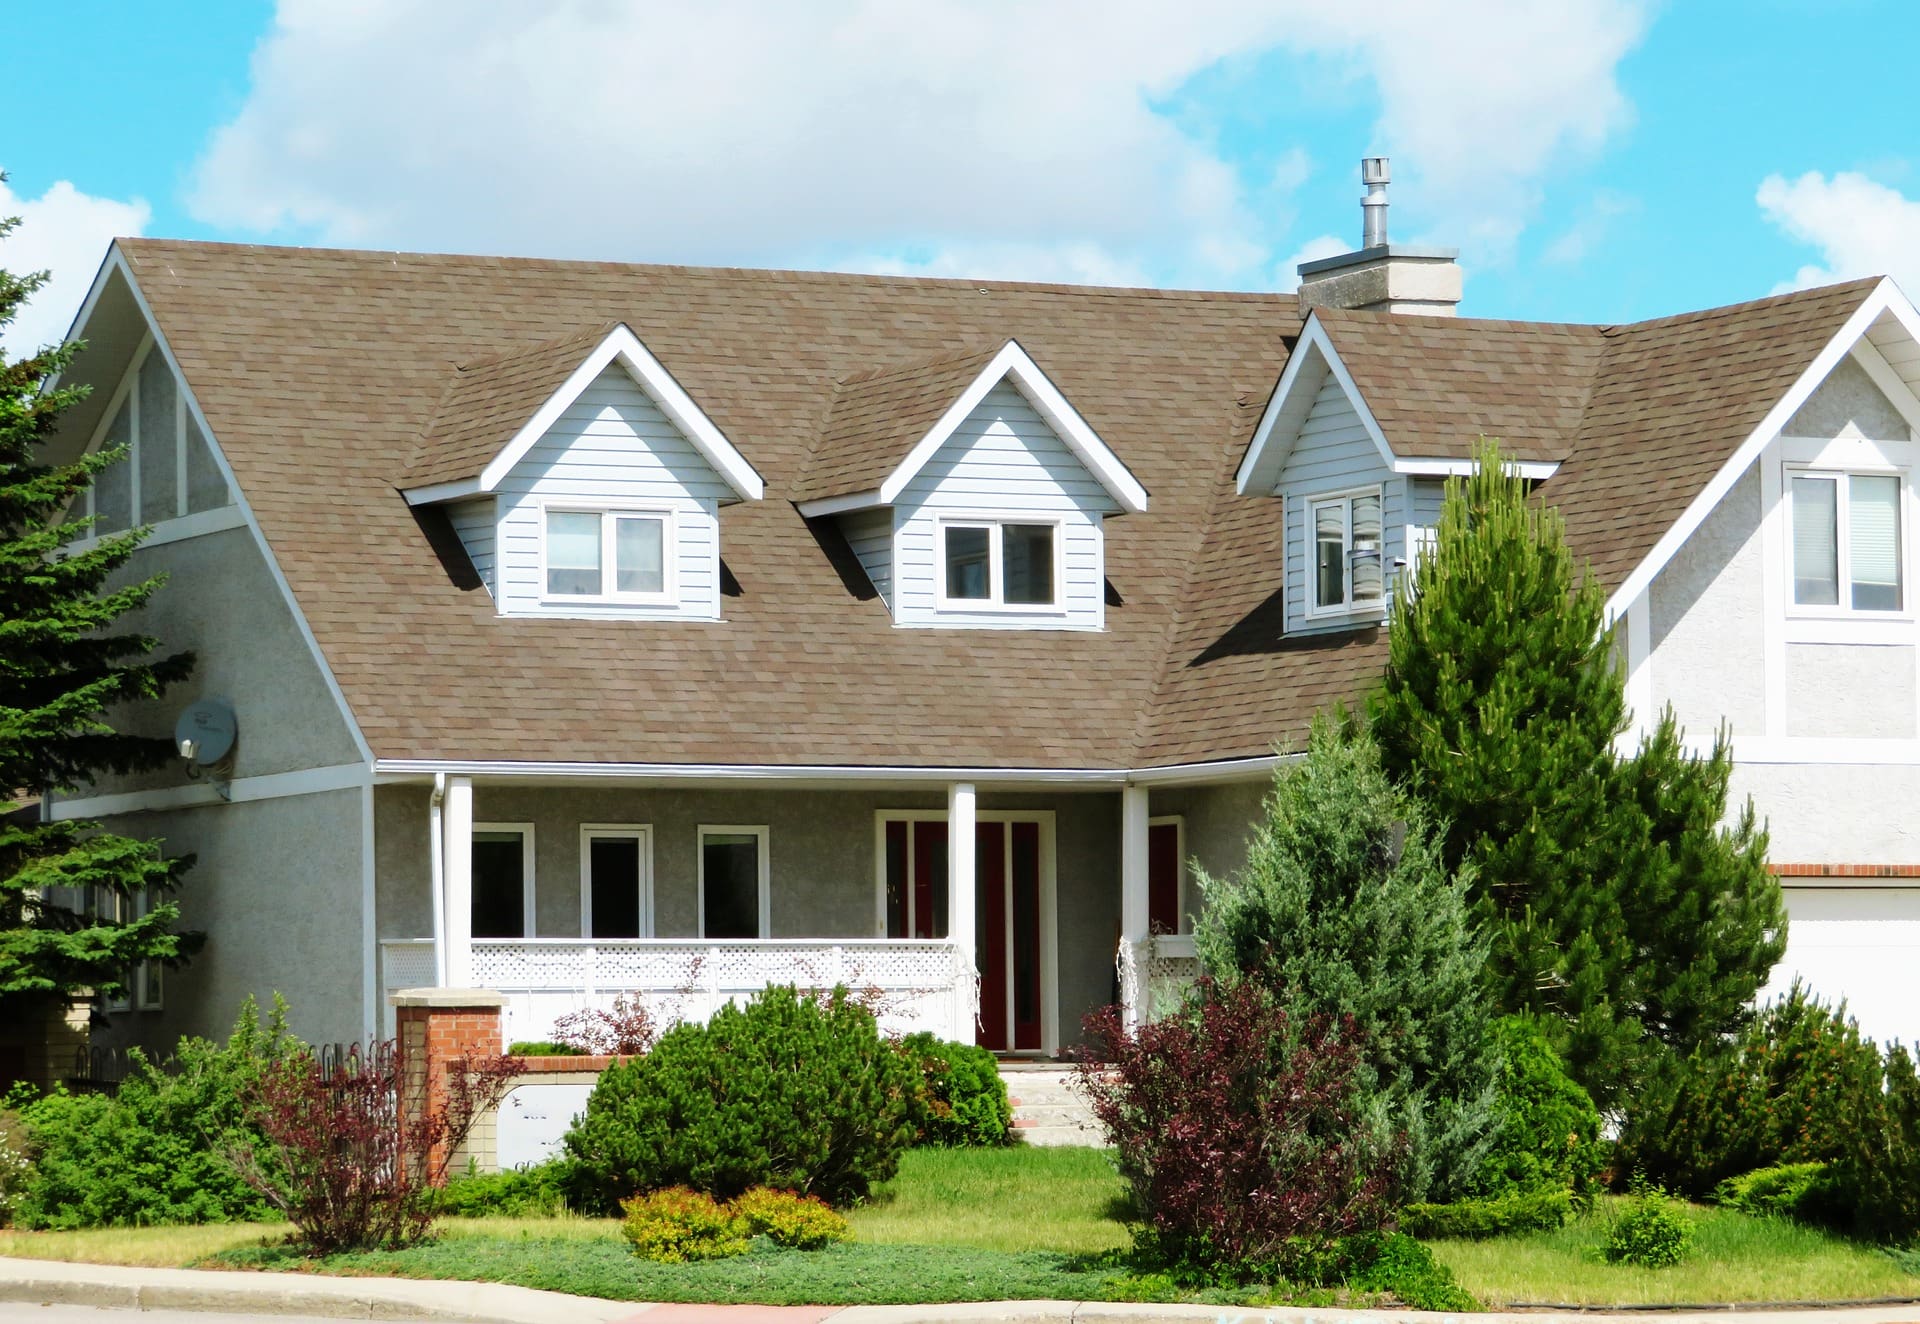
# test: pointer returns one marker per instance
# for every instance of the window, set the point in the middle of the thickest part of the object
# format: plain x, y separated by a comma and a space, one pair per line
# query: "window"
616, 892
1846, 541
987, 563
607, 554
733, 882
169, 470
1346, 560
502, 901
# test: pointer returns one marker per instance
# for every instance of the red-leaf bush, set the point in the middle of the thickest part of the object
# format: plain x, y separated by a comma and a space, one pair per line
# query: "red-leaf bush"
1238, 1132
341, 1157
627, 1030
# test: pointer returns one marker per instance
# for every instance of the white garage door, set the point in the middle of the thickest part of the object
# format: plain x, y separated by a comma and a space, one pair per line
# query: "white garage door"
1861, 944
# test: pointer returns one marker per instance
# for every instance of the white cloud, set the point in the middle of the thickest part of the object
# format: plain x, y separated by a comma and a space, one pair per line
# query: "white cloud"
1591, 228
65, 232
1862, 228
997, 138
1286, 276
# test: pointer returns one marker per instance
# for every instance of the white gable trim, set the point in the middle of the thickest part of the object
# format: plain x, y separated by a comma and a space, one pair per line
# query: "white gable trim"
1014, 362
117, 261
1287, 408
1884, 298
1891, 384
624, 347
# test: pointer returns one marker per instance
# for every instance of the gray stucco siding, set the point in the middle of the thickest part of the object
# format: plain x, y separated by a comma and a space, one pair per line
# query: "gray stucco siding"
1219, 821
1848, 404
1850, 690
1833, 813
1706, 629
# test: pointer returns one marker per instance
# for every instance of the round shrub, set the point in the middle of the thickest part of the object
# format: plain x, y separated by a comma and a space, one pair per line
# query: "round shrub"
1549, 1134
679, 1226
792, 1091
798, 1222
1651, 1232
959, 1098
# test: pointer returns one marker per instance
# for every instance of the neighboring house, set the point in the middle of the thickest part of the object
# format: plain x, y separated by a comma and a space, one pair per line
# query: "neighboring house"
596, 628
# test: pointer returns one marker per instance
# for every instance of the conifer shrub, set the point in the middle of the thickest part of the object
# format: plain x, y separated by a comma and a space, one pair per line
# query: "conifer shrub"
793, 1091
681, 1226
535, 1191
1780, 1189
795, 1222
1395, 1263
1872, 1187
1548, 1138
1238, 1130
1538, 1210
958, 1098
1345, 911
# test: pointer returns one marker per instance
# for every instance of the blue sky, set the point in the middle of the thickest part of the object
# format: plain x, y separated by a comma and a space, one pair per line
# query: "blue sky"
1595, 160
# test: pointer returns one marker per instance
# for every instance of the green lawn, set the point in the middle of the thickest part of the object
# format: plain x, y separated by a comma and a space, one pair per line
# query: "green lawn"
1013, 1200
1735, 1257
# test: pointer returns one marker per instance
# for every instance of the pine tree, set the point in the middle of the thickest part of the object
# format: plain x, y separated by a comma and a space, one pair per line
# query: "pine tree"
1618, 905
1345, 909
61, 670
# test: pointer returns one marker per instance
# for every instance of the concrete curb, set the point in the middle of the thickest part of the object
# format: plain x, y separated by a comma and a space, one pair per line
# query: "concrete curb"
52, 1282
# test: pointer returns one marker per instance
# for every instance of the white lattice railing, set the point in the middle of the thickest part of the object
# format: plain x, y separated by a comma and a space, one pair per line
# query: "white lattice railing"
913, 984
1155, 974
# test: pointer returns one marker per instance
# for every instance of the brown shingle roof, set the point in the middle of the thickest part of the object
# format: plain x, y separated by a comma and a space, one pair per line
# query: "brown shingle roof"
878, 416
806, 666
490, 399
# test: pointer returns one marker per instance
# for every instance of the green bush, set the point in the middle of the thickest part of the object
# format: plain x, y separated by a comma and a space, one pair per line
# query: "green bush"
1539, 1210
1549, 1134
1780, 1189
1872, 1187
797, 1222
1800, 1085
150, 1152
1651, 1232
15, 1168
541, 1048
791, 1091
538, 1191
1396, 1263
679, 1226
959, 1098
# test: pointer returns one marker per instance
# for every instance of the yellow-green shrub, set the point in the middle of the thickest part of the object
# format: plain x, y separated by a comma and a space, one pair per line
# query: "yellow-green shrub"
798, 1222
677, 1226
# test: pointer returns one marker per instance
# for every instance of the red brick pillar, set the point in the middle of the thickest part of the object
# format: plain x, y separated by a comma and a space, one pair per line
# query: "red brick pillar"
437, 1027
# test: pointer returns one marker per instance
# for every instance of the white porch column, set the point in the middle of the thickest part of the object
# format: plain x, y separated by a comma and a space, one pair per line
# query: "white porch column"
1133, 900
456, 827
963, 900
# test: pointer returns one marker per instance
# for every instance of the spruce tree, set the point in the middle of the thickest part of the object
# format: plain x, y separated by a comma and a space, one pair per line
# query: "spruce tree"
62, 668
1344, 908
1617, 904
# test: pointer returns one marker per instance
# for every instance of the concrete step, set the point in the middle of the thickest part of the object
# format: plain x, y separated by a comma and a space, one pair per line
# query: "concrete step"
1048, 1108
1047, 1136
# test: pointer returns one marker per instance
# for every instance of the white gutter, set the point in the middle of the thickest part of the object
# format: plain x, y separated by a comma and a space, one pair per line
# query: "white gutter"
1221, 770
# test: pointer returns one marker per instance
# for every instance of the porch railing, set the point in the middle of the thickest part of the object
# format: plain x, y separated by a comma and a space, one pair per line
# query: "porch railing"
1155, 974
911, 984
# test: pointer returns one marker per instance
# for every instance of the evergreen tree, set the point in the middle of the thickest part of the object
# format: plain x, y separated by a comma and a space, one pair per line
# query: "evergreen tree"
1618, 905
61, 670
1345, 908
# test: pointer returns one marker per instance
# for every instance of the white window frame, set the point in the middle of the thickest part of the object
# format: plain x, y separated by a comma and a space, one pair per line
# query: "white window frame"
591, 832
149, 980
1840, 473
759, 830
528, 885
1314, 610
669, 560
995, 601
1184, 927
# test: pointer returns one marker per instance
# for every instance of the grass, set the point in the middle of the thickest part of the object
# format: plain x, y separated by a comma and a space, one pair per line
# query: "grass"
1009, 1200
1735, 1257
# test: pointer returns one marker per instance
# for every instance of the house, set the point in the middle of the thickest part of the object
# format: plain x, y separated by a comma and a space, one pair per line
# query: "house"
591, 628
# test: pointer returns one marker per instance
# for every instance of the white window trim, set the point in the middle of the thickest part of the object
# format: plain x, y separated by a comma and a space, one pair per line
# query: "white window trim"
995, 602
1184, 928
669, 557
1310, 560
528, 887
759, 830
149, 980
642, 832
1840, 468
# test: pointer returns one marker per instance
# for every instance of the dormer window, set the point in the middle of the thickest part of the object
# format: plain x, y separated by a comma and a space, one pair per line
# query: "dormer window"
1346, 532
991, 563
608, 555
1846, 542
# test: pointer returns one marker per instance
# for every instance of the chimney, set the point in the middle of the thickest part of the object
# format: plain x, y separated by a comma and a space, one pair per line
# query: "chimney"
1381, 276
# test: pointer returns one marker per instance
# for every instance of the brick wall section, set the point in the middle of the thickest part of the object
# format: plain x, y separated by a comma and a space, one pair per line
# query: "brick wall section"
437, 1027
1845, 870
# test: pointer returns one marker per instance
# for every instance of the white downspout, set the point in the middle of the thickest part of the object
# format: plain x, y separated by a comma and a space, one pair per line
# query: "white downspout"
436, 848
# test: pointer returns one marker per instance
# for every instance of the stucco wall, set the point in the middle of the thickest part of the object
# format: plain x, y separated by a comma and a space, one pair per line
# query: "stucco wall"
1706, 629
1834, 813
1219, 824
1850, 690
276, 888
1848, 404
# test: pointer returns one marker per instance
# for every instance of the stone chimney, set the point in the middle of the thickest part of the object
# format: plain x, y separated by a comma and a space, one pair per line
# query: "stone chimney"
1380, 276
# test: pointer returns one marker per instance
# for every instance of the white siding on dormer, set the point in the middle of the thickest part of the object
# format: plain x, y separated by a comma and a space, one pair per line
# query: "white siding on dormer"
474, 522
1334, 454
870, 534
1004, 461
613, 448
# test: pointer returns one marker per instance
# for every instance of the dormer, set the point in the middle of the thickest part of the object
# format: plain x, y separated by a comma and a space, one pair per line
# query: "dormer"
583, 481
972, 492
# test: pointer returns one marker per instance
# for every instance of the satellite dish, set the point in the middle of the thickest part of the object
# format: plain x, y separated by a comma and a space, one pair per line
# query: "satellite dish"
205, 732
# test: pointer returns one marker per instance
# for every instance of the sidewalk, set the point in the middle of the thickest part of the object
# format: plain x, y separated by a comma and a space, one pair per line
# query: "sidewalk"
267, 1294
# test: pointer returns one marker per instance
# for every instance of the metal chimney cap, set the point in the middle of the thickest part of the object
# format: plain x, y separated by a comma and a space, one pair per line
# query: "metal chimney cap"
1373, 170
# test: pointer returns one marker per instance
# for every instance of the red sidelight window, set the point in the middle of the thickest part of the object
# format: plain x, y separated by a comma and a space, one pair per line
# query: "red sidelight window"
1164, 866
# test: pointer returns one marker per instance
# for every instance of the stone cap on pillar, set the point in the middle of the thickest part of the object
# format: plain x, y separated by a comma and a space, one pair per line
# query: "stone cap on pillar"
447, 997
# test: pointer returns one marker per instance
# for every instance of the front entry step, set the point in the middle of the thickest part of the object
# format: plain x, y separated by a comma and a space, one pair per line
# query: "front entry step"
1047, 1109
